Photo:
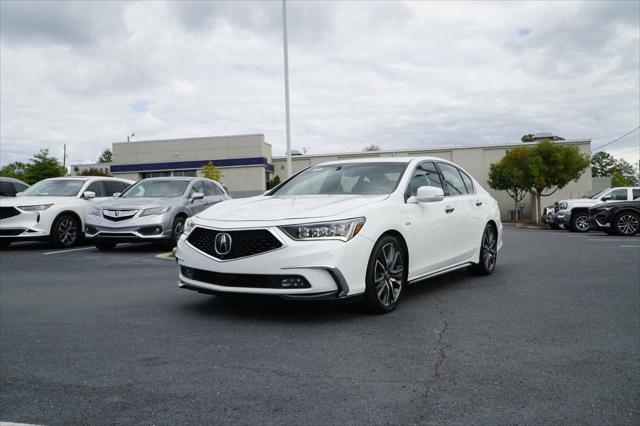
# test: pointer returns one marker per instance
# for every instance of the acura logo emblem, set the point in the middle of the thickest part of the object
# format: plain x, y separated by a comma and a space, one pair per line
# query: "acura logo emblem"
117, 213
222, 243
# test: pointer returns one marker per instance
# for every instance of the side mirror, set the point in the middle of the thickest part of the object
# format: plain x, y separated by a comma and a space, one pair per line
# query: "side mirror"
606, 198
427, 194
197, 196
117, 194
88, 195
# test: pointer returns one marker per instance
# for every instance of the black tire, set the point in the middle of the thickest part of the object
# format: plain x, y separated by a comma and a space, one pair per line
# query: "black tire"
488, 252
626, 224
176, 231
105, 245
5, 243
579, 222
386, 275
65, 231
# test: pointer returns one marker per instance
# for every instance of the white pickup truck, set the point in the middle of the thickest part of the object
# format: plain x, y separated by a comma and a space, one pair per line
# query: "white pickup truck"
574, 214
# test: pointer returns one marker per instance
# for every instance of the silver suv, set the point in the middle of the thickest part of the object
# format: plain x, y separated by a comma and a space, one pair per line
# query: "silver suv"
153, 209
574, 214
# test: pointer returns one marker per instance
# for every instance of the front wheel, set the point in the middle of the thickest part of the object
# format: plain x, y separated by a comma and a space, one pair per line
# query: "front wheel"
65, 231
626, 224
579, 222
386, 275
488, 252
177, 228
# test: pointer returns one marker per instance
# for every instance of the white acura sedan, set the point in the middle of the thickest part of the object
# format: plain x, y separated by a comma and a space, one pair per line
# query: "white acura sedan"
344, 229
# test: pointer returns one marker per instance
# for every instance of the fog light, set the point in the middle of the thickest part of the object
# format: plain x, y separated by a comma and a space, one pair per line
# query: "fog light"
187, 272
295, 282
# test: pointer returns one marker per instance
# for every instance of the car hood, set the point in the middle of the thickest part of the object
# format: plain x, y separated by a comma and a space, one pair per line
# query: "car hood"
583, 201
117, 203
32, 201
269, 208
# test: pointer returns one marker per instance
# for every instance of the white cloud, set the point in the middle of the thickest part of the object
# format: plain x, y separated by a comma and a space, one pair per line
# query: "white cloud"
399, 75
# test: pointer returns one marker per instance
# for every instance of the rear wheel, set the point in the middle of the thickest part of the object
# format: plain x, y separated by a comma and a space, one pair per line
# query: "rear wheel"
65, 231
626, 223
488, 252
579, 222
105, 245
386, 275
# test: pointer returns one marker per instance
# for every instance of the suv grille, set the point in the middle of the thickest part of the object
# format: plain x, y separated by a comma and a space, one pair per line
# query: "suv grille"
6, 212
243, 243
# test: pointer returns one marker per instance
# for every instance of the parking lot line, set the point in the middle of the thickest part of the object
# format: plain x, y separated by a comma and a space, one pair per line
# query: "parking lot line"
637, 246
610, 240
69, 250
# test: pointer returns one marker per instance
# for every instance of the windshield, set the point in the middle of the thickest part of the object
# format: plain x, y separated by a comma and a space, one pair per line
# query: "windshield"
593, 197
55, 188
157, 188
349, 178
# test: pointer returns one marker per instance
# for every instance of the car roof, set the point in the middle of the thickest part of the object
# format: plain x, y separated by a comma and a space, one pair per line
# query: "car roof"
188, 178
10, 179
384, 160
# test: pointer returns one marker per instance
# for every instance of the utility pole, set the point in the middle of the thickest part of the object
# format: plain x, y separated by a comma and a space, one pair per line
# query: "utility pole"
64, 156
286, 84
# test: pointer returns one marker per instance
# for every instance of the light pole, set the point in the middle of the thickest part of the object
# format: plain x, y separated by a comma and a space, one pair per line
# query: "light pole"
286, 84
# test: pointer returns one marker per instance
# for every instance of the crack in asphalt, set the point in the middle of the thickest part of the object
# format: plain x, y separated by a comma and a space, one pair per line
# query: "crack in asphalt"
435, 375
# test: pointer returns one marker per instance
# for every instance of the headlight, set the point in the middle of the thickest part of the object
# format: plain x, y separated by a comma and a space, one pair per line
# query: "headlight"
188, 227
95, 211
36, 208
339, 230
563, 206
154, 210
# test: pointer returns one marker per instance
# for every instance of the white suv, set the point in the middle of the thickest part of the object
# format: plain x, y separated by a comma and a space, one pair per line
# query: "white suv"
55, 209
574, 214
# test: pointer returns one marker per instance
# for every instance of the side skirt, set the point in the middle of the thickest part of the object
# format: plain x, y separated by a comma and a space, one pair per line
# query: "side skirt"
440, 272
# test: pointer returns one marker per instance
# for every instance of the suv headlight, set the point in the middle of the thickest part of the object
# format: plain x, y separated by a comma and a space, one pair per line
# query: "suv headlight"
154, 210
563, 206
95, 211
35, 208
342, 230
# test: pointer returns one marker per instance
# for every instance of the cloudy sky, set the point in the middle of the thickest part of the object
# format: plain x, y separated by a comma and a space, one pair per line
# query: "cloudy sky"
395, 74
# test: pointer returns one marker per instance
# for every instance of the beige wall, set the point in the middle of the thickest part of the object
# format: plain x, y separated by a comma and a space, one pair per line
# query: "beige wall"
476, 160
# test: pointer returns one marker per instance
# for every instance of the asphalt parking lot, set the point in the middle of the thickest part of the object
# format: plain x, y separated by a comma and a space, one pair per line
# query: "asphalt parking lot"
88, 337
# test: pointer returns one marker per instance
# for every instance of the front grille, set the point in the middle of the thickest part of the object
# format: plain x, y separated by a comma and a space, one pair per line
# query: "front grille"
245, 280
118, 215
11, 232
243, 243
7, 212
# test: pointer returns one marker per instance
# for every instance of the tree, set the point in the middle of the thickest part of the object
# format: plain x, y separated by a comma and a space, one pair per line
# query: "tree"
618, 179
370, 148
15, 170
627, 171
92, 171
602, 164
527, 138
273, 182
507, 175
106, 156
43, 166
549, 167
210, 171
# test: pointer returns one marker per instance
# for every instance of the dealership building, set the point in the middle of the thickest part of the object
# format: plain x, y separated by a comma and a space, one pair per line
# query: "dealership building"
247, 164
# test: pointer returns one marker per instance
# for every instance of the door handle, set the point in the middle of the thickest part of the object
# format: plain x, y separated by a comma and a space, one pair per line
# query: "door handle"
449, 210
478, 203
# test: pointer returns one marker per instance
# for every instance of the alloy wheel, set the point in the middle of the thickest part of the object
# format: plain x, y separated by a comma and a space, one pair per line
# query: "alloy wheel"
582, 223
179, 228
388, 274
489, 248
67, 231
628, 224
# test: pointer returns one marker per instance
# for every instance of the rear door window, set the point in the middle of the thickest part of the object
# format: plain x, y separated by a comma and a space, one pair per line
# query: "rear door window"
636, 194
453, 183
468, 183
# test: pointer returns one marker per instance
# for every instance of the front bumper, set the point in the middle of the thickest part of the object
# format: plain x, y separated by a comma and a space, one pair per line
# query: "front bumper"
334, 269
151, 228
25, 226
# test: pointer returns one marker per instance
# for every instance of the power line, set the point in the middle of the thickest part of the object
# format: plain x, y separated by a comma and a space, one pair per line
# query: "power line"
616, 139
